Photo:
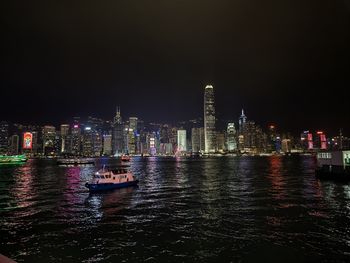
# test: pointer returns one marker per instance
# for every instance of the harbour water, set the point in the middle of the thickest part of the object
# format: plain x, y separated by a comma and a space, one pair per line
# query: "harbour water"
225, 209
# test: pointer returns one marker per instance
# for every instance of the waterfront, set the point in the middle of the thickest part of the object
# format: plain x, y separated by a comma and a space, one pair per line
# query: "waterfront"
205, 209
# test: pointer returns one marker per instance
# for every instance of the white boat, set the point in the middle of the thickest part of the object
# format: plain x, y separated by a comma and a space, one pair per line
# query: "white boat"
107, 179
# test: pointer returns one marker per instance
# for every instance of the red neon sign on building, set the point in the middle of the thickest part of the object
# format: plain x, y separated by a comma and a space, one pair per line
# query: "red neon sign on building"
27, 140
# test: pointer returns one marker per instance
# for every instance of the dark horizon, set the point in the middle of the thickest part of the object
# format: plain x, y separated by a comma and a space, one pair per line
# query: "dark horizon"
284, 63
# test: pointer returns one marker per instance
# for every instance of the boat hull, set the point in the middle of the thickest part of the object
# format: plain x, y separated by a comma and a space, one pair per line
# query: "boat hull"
109, 186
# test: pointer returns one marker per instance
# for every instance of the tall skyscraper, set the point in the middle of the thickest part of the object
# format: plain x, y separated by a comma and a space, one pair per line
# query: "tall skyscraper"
76, 140
209, 119
231, 137
197, 139
64, 137
4, 133
242, 121
14, 144
118, 134
49, 140
181, 141
107, 144
133, 123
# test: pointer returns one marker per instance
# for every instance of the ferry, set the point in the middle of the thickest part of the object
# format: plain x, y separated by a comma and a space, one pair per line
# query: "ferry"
107, 179
12, 159
75, 161
334, 165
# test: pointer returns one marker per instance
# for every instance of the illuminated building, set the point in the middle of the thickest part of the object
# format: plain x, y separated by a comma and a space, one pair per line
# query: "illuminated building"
220, 142
320, 141
107, 144
242, 121
64, 132
88, 145
49, 140
118, 145
133, 123
241, 129
14, 145
209, 119
231, 137
76, 140
97, 142
181, 141
197, 139
286, 146
4, 133
130, 141
307, 141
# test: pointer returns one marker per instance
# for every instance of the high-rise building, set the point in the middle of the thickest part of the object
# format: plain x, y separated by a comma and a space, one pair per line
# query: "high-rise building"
76, 140
88, 144
107, 144
64, 130
242, 121
14, 144
220, 142
231, 137
181, 141
118, 134
133, 123
286, 145
49, 140
197, 139
209, 119
4, 133
130, 141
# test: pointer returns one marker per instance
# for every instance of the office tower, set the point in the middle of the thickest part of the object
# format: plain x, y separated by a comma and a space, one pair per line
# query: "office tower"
242, 121
76, 140
64, 128
14, 144
286, 145
118, 134
231, 137
107, 144
97, 143
130, 141
181, 141
133, 123
320, 141
209, 119
220, 141
87, 142
196, 140
4, 133
49, 140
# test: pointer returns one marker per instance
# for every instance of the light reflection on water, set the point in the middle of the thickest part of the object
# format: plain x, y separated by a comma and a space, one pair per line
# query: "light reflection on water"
184, 209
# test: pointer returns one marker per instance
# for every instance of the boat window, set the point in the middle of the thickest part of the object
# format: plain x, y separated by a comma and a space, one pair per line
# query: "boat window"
102, 177
97, 176
113, 178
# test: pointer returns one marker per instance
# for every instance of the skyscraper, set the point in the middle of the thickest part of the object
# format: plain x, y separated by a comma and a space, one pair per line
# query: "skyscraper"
231, 137
4, 133
197, 139
242, 121
181, 141
209, 119
118, 134
49, 140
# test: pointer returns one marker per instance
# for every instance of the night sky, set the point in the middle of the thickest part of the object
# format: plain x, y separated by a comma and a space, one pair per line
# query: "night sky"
286, 62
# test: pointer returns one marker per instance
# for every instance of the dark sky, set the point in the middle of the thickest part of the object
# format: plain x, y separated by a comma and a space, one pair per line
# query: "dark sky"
286, 62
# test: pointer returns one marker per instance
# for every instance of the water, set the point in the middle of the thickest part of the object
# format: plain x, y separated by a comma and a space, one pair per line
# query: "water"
212, 209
